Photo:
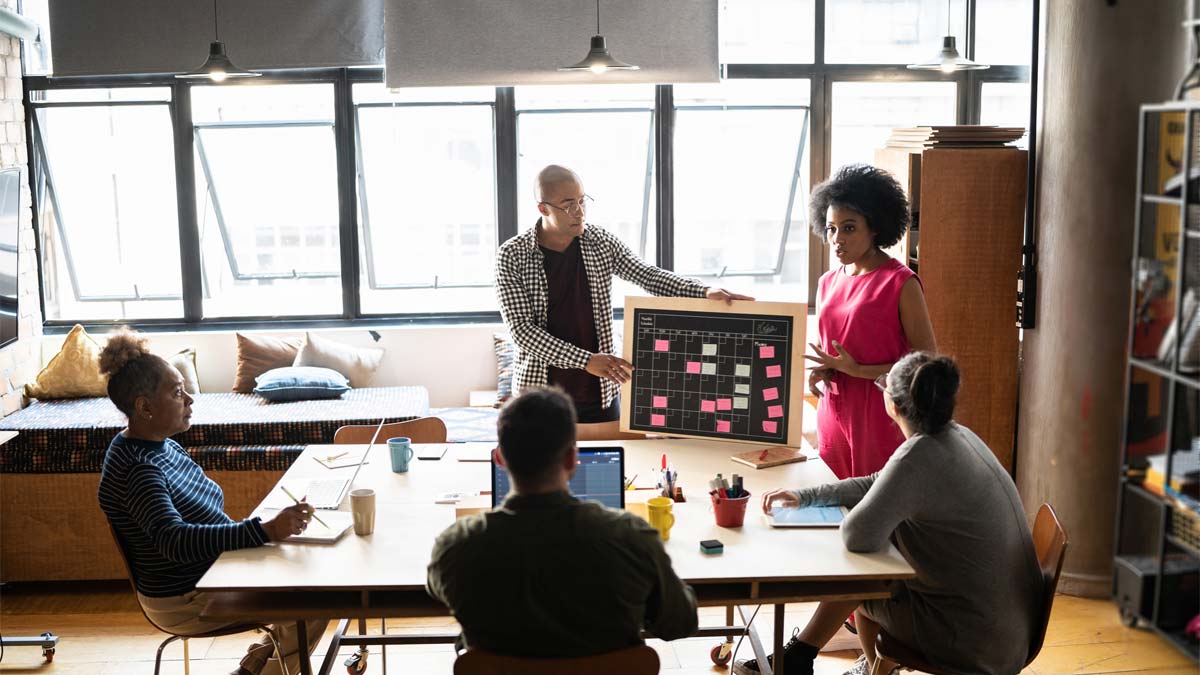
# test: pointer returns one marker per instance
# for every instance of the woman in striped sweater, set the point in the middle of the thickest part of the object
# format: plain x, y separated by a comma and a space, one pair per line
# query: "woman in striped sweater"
169, 516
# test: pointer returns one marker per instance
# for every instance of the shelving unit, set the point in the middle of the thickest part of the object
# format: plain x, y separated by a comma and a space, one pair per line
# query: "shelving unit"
1156, 578
968, 210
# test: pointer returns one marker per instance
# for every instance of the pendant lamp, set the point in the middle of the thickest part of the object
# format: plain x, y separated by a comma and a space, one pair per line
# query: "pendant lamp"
218, 67
948, 60
598, 60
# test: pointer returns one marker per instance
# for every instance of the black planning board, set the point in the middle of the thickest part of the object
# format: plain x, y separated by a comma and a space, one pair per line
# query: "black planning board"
723, 374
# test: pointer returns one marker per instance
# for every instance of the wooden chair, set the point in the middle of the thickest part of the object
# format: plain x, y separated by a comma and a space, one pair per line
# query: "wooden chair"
605, 431
1050, 543
423, 430
640, 660
173, 636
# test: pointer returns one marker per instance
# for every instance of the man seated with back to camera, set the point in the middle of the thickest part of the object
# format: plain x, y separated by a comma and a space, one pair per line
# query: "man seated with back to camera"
580, 578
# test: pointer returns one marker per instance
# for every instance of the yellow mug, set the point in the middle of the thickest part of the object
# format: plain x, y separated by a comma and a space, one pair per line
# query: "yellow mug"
658, 511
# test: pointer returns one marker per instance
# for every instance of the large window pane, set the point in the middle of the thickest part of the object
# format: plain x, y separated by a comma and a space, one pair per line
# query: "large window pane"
864, 114
1006, 104
767, 31
266, 196
1004, 31
427, 181
741, 185
890, 31
109, 225
605, 134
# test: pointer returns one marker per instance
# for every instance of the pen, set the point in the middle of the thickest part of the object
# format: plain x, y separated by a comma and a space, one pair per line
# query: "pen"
330, 458
314, 515
629, 483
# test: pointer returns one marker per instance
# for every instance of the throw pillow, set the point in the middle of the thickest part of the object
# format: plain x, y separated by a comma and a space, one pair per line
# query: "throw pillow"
259, 353
506, 352
298, 383
185, 363
358, 365
74, 372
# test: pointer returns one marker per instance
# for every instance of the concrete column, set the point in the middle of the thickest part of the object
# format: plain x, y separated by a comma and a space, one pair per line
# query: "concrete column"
1102, 59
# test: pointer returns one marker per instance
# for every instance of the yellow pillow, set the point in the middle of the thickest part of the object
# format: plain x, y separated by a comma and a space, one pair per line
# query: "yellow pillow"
74, 372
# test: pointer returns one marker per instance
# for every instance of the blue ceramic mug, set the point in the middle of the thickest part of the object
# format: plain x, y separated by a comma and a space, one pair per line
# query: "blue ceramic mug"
401, 451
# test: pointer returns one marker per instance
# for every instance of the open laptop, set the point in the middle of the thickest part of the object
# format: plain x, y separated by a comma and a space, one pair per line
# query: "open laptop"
328, 493
600, 477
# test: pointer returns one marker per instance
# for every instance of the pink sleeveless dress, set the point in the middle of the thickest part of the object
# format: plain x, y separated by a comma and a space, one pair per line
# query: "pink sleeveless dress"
862, 313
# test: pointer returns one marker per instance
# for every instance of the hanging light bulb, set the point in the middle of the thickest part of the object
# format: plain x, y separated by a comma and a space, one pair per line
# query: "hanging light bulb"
217, 67
948, 60
598, 60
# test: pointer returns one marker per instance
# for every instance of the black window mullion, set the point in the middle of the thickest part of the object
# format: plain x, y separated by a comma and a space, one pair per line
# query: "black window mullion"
506, 164
664, 176
347, 187
185, 198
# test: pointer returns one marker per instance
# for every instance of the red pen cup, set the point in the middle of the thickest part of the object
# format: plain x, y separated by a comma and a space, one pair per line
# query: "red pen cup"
729, 511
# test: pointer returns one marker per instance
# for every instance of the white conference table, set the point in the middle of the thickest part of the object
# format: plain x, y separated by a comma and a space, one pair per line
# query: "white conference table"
383, 575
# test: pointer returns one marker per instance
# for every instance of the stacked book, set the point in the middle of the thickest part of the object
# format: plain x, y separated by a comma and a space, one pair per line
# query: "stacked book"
962, 136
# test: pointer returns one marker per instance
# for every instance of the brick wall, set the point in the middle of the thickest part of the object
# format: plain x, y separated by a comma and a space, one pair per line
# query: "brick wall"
19, 362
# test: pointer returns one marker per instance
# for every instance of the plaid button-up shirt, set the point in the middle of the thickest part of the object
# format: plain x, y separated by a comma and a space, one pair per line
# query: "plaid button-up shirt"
523, 293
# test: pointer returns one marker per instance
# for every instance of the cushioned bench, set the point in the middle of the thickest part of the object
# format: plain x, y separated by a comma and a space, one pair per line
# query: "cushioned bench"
49, 474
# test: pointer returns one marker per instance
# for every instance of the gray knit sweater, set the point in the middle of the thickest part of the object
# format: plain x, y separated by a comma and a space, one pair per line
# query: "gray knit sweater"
954, 514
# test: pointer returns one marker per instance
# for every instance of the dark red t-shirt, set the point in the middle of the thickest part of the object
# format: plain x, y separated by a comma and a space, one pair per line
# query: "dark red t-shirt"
569, 318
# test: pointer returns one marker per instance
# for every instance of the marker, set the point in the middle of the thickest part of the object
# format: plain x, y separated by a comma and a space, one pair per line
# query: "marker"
314, 515
763, 455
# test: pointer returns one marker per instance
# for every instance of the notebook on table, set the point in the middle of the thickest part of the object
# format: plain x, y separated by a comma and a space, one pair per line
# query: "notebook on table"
328, 493
336, 525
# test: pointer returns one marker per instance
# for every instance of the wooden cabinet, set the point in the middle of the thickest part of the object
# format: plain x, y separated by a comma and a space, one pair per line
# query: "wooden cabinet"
969, 213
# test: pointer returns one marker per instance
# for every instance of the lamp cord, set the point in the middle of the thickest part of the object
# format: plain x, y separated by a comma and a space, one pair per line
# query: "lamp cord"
216, 31
597, 16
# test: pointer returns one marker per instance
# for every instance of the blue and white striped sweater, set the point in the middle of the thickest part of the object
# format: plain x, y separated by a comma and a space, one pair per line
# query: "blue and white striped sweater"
169, 515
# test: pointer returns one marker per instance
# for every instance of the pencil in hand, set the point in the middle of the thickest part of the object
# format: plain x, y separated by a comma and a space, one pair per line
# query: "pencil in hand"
300, 501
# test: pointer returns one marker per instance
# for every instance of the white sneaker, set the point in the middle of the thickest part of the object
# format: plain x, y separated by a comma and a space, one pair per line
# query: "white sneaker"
860, 667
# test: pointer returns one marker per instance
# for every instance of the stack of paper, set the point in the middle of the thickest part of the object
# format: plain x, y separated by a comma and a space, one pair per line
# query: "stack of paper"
960, 136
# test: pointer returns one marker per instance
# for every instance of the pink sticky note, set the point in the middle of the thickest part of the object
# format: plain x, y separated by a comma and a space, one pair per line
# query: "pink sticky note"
693, 367
660, 401
774, 371
724, 404
766, 352
661, 420
770, 394
708, 406
769, 426
722, 426
775, 411
662, 345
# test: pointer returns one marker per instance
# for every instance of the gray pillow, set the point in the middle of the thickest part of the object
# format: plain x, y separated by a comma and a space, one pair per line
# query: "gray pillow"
301, 383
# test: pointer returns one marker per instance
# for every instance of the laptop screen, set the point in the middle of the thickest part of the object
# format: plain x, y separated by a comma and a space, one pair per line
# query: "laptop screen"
599, 477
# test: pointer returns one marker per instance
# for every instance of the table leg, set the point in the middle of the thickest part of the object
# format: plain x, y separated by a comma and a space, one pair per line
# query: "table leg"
335, 644
777, 666
748, 614
729, 620
302, 648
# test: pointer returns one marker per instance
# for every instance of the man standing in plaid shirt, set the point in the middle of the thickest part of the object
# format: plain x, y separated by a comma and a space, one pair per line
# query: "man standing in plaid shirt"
554, 282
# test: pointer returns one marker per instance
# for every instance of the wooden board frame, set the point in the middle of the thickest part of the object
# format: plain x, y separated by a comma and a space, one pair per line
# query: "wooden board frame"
796, 311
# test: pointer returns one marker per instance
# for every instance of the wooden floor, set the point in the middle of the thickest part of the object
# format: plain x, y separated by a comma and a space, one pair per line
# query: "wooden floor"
102, 633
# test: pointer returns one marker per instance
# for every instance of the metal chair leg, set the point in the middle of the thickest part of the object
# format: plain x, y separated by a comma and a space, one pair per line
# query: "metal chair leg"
161, 647
383, 648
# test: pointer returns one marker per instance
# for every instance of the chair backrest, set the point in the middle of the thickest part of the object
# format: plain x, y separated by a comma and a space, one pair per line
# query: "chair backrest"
1050, 543
641, 660
605, 431
129, 573
424, 430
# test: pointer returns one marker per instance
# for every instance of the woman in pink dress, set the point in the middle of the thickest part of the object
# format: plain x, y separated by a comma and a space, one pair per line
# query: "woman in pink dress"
870, 312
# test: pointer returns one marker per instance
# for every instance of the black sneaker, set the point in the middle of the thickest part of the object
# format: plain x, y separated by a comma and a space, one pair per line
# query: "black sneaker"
793, 663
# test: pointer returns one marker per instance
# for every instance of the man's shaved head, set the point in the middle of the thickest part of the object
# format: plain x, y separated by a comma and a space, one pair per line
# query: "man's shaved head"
552, 176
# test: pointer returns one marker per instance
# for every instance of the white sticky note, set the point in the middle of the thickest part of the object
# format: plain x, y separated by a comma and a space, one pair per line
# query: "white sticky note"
741, 370
710, 350
741, 403
708, 369
741, 389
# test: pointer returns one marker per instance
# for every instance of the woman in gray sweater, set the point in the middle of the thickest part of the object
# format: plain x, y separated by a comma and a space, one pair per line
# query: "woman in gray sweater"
954, 514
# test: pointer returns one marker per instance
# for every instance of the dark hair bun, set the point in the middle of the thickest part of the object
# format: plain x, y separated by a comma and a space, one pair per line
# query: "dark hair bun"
934, 392
121, 348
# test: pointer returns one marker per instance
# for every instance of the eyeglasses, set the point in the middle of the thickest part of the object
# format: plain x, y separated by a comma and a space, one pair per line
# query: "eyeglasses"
881, 382
576, 205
